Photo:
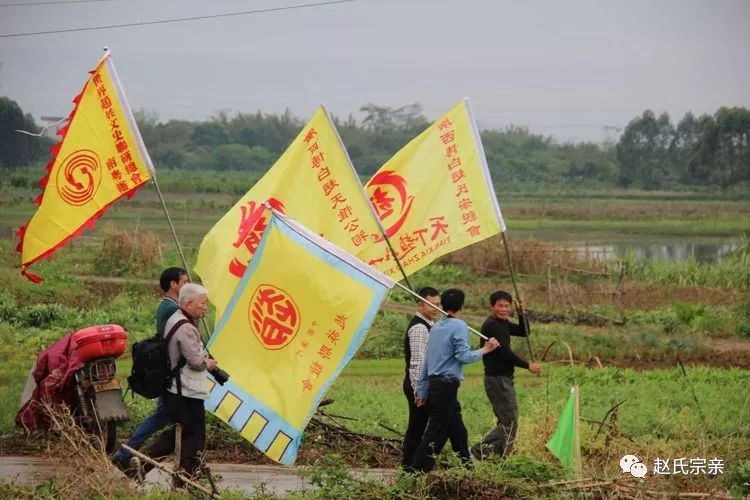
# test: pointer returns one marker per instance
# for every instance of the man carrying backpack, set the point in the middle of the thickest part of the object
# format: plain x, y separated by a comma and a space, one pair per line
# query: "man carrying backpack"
171, 281
188, 389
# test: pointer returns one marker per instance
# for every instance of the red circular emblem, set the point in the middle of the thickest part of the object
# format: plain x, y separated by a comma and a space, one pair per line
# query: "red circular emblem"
78, 177
274, 317
392, 202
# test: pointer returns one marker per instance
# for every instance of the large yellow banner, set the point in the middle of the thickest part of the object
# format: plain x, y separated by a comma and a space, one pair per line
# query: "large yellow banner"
313, 182
295, 320
435, 195
100, 159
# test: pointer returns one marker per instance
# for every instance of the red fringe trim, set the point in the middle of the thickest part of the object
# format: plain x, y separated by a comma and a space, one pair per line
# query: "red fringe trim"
91, 221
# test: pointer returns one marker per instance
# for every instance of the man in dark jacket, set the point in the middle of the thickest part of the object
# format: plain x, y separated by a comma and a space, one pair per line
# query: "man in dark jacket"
499, 366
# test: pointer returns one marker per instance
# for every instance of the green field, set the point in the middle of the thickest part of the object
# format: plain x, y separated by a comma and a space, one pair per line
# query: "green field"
616, 334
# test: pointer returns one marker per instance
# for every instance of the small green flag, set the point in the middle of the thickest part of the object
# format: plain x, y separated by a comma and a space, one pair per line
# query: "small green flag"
564, 444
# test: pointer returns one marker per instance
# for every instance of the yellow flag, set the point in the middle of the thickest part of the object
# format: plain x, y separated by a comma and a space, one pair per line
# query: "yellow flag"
294, 321
435, 195
313, 182
100, 159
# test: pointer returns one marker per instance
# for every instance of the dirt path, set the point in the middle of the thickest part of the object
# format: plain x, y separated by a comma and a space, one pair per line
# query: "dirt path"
29, 471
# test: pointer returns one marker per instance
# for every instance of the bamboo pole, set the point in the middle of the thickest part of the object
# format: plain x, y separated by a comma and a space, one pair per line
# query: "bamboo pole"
372, 209
518, 296
577, 433
416, 295
179, 249
172, 473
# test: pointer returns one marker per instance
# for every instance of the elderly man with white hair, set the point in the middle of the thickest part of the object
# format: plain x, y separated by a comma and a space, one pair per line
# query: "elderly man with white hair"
189, 388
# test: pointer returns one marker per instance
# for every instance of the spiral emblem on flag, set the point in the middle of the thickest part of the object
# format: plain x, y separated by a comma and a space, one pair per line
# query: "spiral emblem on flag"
274, 317
79, 177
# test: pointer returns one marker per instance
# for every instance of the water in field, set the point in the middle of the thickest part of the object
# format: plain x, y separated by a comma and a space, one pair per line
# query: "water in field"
702, 252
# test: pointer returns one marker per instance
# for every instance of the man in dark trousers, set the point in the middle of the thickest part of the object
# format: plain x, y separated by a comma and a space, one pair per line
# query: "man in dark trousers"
415, 346
498, 376
171, 281
441, 375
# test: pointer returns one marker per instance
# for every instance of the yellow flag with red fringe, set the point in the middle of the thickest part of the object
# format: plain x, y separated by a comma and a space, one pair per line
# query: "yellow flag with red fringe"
435, 195
100, 159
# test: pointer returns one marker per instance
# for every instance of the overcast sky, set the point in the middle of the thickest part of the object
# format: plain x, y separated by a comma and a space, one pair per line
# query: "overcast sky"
562, 68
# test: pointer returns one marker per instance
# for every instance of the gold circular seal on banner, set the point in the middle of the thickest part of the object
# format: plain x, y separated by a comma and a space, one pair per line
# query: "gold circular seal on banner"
274, 317
79, 177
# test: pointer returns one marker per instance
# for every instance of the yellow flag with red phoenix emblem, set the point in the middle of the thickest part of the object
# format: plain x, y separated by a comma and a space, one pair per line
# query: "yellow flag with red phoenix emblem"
314, 182
100, 159
435, 195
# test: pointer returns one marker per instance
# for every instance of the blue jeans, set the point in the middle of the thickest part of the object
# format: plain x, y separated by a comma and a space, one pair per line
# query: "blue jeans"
158, 419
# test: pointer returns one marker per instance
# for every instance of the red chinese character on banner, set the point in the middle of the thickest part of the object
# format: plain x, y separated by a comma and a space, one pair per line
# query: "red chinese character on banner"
136, 178
274, 317
316, 368
462, 189
313, 147
467, 217
310, 135
473, 230
352, 225
317, 159
334, 336
390, 196
455, 162
382, 202
439, 226
419, 233
97, 79
359, 238
329, 186
345, 213
464, 203
250, 229
307, 385
116, 174
130, 167
305, 344
117, 134
101, 91
109, 114
451, 150
325, 352
407, 243
126, 157
113, 123
448, 137
106, 103
445, 124
323, 173
457, 175
340, 320
121, 146
337, 198
111, 163
122, 186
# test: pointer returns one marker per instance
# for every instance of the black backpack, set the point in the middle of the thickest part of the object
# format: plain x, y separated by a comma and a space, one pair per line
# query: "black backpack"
151, 374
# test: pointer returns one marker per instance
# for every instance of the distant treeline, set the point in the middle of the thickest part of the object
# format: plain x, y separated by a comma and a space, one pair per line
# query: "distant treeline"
651, 153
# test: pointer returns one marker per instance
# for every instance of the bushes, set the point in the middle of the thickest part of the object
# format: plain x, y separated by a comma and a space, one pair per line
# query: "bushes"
124, 253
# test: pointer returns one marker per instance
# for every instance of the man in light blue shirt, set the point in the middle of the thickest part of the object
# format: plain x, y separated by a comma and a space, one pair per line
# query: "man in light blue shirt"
442, 372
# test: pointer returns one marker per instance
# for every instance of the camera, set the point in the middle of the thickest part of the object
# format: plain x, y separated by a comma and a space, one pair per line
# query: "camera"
219, 375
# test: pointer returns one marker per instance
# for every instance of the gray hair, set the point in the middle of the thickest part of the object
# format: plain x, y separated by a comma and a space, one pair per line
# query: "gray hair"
191, 291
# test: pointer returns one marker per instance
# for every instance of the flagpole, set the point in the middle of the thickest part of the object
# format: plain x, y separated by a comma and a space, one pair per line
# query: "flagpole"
496, 207
372, 209
177, 243
519, 309
577, 432
418, 297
